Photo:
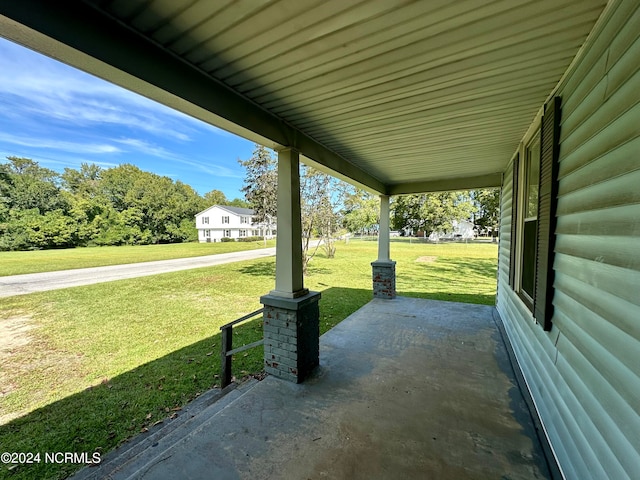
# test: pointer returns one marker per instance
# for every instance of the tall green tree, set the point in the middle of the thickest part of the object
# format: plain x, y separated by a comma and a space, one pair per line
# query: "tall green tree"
238, 202
487, 203
157, 206
260, 186
430, 212
6, 188
187, 203
33, 207
215, 197
82, 190
28, 186
83, 182
361, 211
321, 198
116, 184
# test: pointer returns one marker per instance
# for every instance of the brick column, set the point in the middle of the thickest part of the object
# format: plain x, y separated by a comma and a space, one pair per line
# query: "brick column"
384, 279
291, 335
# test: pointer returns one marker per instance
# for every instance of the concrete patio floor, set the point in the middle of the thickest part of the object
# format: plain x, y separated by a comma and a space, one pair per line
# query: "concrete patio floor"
407, 389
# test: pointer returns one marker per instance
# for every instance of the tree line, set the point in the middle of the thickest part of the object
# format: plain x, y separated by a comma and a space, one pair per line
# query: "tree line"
123, 205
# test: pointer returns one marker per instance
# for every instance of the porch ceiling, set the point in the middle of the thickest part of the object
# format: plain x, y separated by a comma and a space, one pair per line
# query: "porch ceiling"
397, 96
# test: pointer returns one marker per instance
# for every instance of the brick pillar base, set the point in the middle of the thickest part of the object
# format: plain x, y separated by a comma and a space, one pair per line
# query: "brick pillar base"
384, 279
291, 335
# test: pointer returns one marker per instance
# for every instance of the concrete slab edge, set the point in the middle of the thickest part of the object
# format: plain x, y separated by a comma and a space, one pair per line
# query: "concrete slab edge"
134, 469
140, 443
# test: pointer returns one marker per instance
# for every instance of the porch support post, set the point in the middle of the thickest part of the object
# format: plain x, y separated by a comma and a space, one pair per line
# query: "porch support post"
384, 269
291, 312
289, 282
384, 250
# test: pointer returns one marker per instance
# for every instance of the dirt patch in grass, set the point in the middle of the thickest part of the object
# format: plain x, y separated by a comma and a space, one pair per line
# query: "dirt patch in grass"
426, 259
211, 280
6, 387
14, 333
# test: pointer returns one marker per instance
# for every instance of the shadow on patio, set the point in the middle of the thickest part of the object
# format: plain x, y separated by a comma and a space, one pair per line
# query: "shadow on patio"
407, 388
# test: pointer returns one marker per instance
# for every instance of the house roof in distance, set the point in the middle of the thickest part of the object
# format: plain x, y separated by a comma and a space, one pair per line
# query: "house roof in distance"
234, 210
237, 210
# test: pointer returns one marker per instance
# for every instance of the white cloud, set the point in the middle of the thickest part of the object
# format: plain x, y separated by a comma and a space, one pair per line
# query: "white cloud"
54, 90
46, 143
146, 147
204, 166
61, 117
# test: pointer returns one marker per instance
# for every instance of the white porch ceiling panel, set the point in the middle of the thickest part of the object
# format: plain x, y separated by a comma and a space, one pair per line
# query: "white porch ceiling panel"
405, 95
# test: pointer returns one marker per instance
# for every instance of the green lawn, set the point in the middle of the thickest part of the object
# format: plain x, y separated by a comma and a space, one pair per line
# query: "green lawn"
16, 263
95, 365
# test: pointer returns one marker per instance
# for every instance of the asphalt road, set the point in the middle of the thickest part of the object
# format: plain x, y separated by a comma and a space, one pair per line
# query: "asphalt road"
39, 282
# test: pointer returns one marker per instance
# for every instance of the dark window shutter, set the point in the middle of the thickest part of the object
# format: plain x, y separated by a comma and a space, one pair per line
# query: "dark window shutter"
514, 223
547, 201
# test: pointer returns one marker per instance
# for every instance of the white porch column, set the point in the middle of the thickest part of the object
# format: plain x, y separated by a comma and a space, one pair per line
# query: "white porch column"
384, 269
289, 279
291, 313
384, 250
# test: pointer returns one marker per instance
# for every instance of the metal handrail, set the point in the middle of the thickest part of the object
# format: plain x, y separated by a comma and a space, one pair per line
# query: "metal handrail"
227, 347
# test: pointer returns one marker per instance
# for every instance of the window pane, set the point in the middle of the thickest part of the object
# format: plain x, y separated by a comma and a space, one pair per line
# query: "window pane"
529, 256
533, 178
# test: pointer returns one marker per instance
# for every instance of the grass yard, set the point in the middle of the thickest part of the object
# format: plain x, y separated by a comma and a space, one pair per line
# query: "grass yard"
17, 263
86, 368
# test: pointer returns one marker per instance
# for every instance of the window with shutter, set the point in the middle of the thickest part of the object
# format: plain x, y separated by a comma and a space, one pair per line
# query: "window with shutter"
535, 193
548, 200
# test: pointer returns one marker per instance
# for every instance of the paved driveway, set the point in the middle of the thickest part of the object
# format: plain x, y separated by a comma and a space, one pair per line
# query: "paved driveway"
38, 282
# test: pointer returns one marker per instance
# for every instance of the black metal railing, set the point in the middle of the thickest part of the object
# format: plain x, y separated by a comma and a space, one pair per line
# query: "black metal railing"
227, 347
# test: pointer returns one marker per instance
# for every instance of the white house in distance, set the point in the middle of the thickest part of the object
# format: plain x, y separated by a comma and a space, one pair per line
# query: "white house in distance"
222, 221
462, 230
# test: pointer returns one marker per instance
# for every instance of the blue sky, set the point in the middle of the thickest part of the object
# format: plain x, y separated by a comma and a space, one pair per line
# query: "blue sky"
61, 117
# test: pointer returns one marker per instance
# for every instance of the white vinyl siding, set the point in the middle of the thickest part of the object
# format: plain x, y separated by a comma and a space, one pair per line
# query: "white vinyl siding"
584, 375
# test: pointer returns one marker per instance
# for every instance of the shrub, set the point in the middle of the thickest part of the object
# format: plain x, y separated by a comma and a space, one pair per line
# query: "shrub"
250, 239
